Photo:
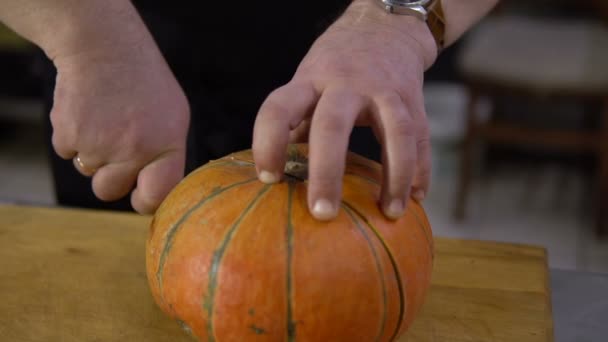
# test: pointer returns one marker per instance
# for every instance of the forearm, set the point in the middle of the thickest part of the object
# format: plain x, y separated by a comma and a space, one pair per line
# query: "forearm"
71, 27
460, 15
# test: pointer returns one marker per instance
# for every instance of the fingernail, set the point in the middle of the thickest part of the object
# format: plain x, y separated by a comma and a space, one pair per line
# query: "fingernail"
268, 177
419, 195
395, 209
323, 210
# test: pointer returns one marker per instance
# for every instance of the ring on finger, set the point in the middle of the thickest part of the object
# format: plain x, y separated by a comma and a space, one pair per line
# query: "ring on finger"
82, 166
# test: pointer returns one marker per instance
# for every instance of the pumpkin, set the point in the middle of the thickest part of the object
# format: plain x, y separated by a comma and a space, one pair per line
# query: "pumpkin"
234, 259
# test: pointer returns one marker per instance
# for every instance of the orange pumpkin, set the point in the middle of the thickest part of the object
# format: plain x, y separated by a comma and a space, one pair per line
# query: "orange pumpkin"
234, 259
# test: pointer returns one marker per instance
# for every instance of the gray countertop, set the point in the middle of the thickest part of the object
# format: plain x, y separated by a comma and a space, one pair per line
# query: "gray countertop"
580, 306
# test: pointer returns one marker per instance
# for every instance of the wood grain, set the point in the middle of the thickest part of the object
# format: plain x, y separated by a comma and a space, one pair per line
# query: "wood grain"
77, 275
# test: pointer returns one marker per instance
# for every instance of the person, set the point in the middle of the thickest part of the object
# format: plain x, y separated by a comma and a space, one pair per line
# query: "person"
120, 113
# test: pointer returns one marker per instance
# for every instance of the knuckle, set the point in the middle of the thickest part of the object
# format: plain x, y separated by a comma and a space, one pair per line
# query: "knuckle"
411, 96
58, 142
65, 138
324, 182
140, 142
335, 67
341, 89
327, 177
59, 114
423, 176
153, 194
399, 187
60, 145
403, 127
408, 164
274, 109
140, 205
397, 120
389, 98
132, 144
424, 132
182, 105
423, 147
145, 203
64, 119
423, 170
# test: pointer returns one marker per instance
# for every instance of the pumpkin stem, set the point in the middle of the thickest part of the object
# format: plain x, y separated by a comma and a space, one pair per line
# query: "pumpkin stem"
297, 164
296, 170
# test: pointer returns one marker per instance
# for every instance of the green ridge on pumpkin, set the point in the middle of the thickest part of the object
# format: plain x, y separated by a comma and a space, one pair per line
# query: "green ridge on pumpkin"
378, 267
172, 232
218, 255
291, 325
393, 262
369, 179
429, 239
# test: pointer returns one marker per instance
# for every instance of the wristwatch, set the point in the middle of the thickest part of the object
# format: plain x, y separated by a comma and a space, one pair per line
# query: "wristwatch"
429, 11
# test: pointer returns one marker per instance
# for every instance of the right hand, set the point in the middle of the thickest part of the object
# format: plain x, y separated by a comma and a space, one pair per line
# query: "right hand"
121, 112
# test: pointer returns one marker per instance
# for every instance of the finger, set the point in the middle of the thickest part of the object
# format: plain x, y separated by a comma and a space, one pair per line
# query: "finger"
331, 126
399, 153
114, 181
422, 178
64, 133
377, 130
156, 180
300, 133
282, 111
62, 147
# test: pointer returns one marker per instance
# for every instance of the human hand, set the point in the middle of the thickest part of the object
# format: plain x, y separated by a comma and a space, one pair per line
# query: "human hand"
366, 69
120, 113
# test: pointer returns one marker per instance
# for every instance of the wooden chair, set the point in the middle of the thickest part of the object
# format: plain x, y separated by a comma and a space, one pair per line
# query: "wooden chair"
537, 59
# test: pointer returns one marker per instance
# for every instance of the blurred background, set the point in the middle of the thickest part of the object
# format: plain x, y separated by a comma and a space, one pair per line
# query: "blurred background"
518, 113
519, 118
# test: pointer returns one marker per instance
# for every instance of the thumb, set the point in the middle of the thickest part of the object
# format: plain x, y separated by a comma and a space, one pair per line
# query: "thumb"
156, 180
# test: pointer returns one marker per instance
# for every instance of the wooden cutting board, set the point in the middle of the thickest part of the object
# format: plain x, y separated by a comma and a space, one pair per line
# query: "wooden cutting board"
77, 275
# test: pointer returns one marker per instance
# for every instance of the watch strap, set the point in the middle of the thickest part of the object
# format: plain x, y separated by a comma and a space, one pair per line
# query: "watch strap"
436, 23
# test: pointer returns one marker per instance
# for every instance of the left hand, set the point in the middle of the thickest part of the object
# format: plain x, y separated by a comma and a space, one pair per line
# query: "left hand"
366, 69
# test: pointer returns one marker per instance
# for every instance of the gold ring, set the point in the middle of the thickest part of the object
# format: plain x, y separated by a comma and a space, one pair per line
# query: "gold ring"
83, 167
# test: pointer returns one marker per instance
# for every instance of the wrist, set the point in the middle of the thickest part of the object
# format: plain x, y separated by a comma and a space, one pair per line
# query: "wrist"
87, 28
412, 29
